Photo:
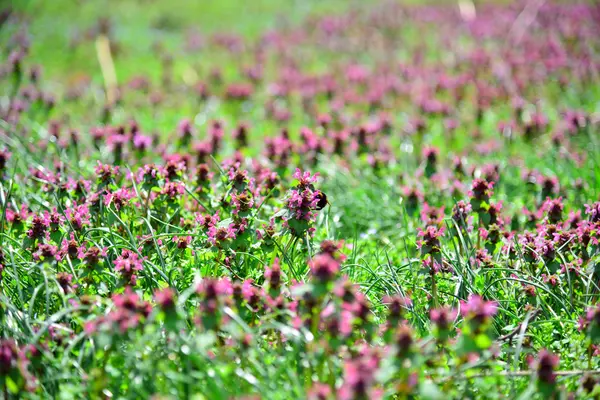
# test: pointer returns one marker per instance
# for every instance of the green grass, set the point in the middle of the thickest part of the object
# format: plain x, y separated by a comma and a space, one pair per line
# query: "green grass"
228, 348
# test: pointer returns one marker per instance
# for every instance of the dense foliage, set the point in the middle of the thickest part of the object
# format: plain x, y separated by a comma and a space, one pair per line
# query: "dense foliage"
396, 201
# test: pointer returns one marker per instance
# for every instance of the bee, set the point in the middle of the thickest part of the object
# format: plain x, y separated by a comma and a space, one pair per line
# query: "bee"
322, 200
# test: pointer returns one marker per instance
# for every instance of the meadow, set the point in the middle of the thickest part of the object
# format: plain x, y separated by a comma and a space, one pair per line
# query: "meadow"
299, 200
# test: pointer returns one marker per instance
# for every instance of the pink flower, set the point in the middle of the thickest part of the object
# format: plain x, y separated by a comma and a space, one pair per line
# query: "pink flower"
128, 264
324, 268
478, 309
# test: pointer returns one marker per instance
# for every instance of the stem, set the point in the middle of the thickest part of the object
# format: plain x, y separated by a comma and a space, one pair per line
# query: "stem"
434, 293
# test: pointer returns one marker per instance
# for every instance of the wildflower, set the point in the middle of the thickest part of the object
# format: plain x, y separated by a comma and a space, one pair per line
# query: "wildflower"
174, 168
78, 216
119, 198
432, 215
443, 317
432, 265
430, 154
142, 142
71, 247
92, 255
404, 340
590, 322
203, 175
182, 241
184, 130
173, 189
273, 275
550, 186
106, 172
128, 264
593, 211
481, 190
429, 239
242, 202
396, 307
493, 214
149, 175
324, 268
46, 252
130, 311
39, 227
359, 377
219, 236
305, 179
240, 135
478, 309
238, 177
414, 197
302, 202
9, 356
17, 217
333, 249
65, 280
554, 209
546, 251
550, 279
207, 221
165, 298
545, 366
319, 391
213, 292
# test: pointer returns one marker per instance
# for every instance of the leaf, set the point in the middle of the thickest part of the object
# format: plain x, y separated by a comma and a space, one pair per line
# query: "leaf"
528, 393
483, 341
11, 385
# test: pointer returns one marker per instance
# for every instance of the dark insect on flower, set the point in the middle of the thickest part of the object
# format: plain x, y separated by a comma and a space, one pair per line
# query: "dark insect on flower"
321, 200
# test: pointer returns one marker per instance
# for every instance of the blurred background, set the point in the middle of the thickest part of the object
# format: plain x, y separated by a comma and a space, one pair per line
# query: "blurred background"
62, 32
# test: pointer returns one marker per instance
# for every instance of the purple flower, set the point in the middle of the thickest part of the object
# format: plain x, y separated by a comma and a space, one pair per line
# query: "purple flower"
119, 198
71, 248
106, 172
429, 239
47, 251
173, 189
305, 179
242, 202
128, 264
219, 236
481, 190
273, 275
39, 226
78, 216
443, 317
165, 298
397, 306
182, 241
324, 268
554, 209
478, 309
545, 366
593, 211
